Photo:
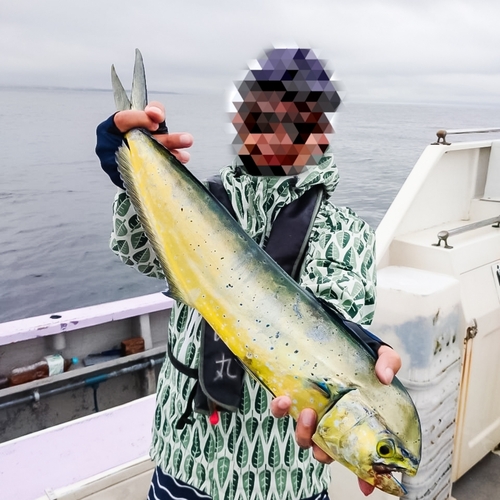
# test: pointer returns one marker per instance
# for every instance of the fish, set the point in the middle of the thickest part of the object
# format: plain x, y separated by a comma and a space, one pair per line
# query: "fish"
288, 340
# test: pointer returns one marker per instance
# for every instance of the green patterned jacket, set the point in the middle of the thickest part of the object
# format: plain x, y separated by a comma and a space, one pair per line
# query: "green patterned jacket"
250, 455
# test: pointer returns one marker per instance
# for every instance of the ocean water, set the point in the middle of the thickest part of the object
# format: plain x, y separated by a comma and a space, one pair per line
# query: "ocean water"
55, 202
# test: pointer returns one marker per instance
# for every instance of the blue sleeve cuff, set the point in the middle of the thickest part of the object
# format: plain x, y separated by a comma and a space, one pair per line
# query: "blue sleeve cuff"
109, 139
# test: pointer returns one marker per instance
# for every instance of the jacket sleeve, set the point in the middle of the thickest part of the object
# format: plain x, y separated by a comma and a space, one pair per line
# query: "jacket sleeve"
339, 265
109, 139
128, 240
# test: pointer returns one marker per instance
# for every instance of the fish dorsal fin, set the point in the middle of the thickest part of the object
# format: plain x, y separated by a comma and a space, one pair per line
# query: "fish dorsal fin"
126, 170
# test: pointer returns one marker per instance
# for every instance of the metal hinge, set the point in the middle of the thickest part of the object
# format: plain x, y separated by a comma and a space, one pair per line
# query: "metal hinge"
471, 331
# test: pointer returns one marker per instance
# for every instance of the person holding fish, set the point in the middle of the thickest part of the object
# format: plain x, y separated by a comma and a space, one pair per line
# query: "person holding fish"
217, 433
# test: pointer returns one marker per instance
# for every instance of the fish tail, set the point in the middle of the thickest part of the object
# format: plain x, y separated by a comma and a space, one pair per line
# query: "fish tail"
139, 97
122, 101
139, 90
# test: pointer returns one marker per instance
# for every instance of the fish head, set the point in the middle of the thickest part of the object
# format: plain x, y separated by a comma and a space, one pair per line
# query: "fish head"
354, 434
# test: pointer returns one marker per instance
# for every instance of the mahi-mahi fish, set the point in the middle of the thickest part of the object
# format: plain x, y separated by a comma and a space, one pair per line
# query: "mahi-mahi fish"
289, 341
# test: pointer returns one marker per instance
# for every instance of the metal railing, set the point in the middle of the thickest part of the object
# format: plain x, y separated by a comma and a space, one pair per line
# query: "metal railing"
444, 235
441, 134
92, 382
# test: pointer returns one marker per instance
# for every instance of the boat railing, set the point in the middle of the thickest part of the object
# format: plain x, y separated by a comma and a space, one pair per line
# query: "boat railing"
34, 395
105, 374
441, 134
444, 235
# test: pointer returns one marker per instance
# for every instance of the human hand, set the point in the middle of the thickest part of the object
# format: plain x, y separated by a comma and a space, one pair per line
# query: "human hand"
150, 119
386, 366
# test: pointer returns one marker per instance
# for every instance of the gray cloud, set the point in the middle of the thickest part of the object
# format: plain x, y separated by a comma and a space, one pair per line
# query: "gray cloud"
386, 50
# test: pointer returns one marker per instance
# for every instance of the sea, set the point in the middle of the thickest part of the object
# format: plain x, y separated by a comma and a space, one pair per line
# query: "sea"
55, 201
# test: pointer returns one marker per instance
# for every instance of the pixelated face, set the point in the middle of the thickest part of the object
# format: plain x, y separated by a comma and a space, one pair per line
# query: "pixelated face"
283, 120
286, 135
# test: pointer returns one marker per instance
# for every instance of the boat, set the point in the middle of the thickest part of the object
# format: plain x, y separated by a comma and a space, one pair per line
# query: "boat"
438, 257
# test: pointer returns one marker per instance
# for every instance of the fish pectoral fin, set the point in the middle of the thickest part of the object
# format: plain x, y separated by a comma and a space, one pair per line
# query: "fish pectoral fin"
331, 389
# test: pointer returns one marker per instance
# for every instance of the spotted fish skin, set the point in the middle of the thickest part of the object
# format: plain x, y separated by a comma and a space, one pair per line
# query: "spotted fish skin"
285, 338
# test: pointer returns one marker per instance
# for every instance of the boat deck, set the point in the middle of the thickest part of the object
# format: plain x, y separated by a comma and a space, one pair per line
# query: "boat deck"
482, 482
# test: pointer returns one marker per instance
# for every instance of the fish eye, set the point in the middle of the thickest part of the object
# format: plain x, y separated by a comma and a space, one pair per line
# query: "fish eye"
386, 448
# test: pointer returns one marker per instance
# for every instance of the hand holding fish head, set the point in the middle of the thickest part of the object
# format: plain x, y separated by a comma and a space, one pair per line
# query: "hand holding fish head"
359, 438
386, 367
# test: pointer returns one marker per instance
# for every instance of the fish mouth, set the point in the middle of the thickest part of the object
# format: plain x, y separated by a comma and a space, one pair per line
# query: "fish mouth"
409, 469
387, 469
385, 481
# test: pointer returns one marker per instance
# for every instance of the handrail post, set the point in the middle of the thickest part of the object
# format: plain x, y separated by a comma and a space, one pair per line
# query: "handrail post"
444, 235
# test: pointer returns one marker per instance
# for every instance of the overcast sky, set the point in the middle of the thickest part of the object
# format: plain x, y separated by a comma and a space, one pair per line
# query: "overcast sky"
386, 50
